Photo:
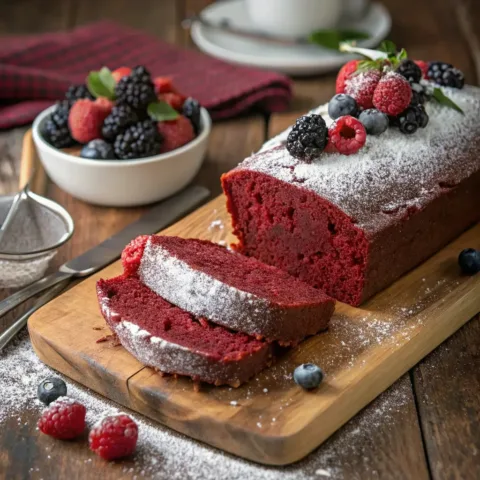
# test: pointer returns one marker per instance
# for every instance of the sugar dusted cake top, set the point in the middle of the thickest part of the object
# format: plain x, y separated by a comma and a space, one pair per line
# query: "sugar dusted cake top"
393, 171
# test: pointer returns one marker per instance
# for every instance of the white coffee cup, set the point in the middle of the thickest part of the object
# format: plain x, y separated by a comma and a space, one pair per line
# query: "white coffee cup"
294, 18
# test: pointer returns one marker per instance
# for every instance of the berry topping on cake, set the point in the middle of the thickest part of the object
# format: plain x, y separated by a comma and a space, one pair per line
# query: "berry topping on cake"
175, 133
361, 86
77, 92
419, 94
308, 376
423, 67
121, 117
120, 73
50, 389
342, 104
344, 74
410, 70
55, 129
446, 75
138, 141
374, 121
191, 110
64, 419
411, 119
114, 437
469, 261
347, 134
136, 89
86, 118
98, 149
308, 137
392, 94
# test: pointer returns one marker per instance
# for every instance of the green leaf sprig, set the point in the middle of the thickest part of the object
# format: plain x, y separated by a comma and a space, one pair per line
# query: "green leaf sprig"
442, 99
332, 39
161, 111
101, 84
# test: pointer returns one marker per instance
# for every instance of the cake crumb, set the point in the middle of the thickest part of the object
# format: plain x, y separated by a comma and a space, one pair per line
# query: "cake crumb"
234, 403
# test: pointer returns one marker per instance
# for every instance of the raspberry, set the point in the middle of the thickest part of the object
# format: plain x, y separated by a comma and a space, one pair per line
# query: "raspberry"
361, 87
344, 74
140, 140
64, 418
347, 134
308, 137
86, 119
163, 85
423, 67
132, 254
114, 437
175, 100
175, 133
393, 94
120, 73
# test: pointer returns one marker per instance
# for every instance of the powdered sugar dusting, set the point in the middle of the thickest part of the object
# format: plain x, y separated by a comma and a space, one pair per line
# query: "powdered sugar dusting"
162, 453
393, 171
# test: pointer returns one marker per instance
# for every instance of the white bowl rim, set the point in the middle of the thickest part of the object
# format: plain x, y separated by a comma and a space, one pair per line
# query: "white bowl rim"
205, 132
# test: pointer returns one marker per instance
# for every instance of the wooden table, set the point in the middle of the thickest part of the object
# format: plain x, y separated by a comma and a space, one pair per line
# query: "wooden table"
435, 431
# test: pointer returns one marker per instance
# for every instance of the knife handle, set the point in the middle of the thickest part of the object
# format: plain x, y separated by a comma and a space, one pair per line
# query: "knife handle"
21, 296
11, 332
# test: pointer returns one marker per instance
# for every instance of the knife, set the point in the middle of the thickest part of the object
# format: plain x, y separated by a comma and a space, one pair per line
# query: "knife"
158, 218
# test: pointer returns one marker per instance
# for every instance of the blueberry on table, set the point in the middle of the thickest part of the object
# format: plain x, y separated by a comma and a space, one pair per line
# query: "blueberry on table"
341, 105
374, 121
308, 376
469, 261
50, 389
98, 150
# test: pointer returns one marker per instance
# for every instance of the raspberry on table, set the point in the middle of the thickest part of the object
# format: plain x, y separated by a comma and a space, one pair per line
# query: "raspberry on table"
175, 133
64, 418
140, 140
446, 75
347, 134
77, 92
361, 86
55, 130
120, 118
114, 437
308, 137
136, 89
392, 94
344, 74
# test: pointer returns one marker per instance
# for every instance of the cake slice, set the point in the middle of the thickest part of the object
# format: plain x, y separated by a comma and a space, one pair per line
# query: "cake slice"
229, 289
171, 340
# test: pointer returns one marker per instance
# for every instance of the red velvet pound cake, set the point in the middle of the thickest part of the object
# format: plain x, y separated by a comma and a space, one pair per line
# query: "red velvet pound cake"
229, 289
168, 338
351, 225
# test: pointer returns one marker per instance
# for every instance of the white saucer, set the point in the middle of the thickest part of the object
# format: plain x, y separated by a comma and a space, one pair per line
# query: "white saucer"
292, 60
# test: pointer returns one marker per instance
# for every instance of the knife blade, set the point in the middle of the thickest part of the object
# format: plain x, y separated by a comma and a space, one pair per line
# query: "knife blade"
157, 218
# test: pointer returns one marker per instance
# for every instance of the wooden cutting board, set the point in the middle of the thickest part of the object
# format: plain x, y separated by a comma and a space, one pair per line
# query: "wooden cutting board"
269, 420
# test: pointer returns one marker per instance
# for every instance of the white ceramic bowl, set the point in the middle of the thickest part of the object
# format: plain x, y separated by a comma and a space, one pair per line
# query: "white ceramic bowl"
123, 183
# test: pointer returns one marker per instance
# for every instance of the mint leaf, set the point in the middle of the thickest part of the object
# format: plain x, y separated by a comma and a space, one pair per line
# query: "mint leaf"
332, 38
107, 79
388, 46
161, 111
98, 88
442, 99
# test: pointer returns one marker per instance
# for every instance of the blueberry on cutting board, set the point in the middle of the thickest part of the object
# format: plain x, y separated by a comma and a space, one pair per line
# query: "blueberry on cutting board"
308, 376
469, 261
50, 389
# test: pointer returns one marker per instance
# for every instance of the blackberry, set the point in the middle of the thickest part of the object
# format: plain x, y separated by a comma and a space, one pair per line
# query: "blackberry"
139, 140
419, 94
55, 130
410, 70
77, 92
422, 116
136, 90
308, 137
446, 75
191, 110
341, 105
121, 117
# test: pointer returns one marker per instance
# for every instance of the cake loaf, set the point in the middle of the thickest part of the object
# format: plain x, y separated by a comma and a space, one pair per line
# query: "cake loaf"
171, 340
227, 288
351, 225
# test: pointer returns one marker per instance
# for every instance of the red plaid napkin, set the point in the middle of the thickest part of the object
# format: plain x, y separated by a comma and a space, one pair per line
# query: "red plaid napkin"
36, 70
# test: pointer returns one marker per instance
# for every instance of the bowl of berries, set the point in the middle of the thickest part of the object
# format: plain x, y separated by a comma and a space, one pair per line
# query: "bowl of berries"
123, 138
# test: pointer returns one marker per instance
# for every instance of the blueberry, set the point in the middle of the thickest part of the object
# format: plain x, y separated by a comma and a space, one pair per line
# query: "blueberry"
98, 150
50, 389
469, 261
308, 376
374, 121
341, 105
